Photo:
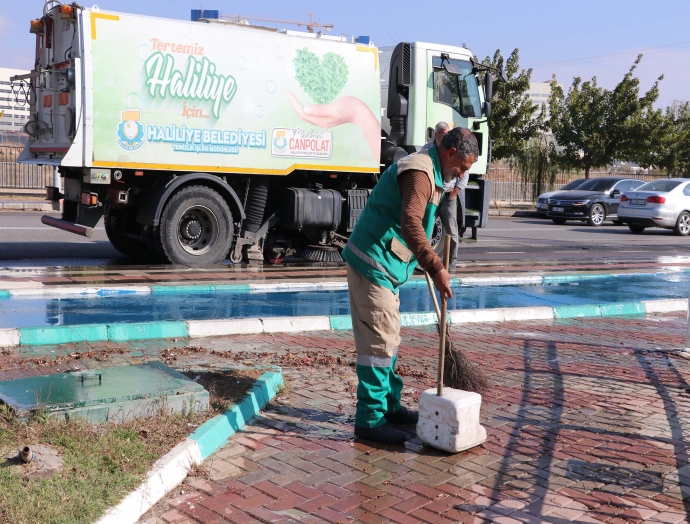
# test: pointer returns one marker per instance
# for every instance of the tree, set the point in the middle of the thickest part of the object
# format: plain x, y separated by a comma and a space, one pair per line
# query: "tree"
594, 126
512, 122
667, 144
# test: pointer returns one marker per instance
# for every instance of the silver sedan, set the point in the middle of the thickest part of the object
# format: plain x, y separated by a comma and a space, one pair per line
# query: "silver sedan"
662, 203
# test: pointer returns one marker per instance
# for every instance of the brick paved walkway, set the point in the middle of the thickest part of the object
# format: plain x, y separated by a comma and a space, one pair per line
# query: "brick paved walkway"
588, 422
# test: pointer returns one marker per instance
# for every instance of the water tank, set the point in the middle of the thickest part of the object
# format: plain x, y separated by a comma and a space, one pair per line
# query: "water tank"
204, 13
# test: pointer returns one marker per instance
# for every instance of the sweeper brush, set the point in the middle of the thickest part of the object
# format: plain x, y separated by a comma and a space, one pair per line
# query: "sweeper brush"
458, 371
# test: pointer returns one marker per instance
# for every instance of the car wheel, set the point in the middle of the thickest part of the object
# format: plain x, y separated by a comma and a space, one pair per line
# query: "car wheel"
196, 227
636, 229
682, 227
597, 215
559, 221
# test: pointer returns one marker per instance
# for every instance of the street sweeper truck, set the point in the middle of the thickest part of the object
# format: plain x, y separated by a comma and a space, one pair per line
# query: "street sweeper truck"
197, 141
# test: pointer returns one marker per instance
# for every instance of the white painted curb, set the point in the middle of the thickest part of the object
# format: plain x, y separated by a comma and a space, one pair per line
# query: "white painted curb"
298, 286
79, 290
499, 281
296, 324
9, 338
217, 328
167, 472
665, 306
511, 314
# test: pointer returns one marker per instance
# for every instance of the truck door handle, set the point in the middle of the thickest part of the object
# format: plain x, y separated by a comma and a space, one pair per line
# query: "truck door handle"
429, 133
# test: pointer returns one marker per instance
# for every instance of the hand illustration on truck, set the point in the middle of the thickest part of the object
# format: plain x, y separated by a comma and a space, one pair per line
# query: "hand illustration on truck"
204, 140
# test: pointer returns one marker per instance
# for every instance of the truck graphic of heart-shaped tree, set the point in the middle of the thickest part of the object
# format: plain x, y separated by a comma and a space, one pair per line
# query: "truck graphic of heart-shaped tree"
321, 79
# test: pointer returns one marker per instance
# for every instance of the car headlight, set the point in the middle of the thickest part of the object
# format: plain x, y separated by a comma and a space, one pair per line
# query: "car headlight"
579, 202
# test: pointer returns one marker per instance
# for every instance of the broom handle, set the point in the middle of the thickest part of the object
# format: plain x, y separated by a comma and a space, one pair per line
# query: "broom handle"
433, 297
442, 320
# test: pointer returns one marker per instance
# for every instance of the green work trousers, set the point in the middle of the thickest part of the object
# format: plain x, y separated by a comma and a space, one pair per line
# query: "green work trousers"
375, 314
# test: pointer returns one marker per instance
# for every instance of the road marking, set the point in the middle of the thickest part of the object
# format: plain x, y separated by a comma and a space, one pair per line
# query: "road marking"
505, 252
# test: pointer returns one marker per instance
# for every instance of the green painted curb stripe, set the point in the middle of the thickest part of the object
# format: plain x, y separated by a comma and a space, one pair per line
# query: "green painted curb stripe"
622, 309
417, 319
53, 335
600, 310
62, 334
146, 331
4, 293
341, 322
212, 434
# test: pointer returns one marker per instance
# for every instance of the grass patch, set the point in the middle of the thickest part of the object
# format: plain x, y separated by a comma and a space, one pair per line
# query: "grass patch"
103, 462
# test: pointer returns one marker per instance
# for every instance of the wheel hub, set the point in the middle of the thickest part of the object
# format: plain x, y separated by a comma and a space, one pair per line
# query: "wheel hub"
191, 229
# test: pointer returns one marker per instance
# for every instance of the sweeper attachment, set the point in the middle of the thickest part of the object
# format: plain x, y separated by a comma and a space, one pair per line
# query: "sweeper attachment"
449, 418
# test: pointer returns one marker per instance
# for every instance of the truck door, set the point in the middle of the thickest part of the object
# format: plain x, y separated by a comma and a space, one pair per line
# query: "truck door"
451, 99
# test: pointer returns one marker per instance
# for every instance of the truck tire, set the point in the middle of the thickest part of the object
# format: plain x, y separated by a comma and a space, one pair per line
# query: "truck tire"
128, 246
196, 227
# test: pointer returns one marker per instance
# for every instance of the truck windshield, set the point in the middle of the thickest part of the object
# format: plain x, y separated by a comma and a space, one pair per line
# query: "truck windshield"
461, 92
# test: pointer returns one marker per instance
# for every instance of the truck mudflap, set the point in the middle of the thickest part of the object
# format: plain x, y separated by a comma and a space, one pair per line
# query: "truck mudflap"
70, 227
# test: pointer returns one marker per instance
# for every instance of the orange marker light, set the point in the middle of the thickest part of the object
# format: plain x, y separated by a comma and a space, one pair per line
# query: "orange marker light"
67, 11
36, 27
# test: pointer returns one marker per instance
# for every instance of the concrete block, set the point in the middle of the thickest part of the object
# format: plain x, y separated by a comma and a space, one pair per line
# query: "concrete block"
9, 338
297, 324
146, 331
463, 316
217, 328
42, 336
665, 306
622, 309
450, 422
512, 314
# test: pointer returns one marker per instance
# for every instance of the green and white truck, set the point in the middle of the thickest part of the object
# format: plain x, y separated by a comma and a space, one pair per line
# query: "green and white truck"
206, 140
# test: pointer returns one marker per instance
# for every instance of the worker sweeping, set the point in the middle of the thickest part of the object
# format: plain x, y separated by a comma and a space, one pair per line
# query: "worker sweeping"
391, 237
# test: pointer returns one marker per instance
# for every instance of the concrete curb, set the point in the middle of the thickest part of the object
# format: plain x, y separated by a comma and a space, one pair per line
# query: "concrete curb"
194, 329
37, 290
171, 469
26, 206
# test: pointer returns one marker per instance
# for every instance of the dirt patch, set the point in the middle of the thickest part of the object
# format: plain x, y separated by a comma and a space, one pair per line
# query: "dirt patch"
225, 388
45, 462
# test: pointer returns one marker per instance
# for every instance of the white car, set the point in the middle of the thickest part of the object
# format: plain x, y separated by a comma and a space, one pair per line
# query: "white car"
662, 203
543, 199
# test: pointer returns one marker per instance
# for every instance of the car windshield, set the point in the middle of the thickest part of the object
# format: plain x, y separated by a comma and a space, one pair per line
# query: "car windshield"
660, 185
574, 184
597, 184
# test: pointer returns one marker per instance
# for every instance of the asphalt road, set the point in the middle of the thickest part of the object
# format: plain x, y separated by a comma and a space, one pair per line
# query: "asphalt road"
24, 241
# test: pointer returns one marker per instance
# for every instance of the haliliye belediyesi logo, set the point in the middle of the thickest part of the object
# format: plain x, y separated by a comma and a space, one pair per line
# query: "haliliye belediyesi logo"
279, 141
130, 131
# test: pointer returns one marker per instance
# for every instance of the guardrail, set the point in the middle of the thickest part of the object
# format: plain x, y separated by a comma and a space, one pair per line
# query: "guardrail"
21, 176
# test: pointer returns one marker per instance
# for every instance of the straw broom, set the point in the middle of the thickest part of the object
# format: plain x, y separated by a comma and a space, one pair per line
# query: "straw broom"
457, 370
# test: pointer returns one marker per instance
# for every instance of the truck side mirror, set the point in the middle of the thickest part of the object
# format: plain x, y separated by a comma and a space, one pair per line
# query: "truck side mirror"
487, 110
488, 86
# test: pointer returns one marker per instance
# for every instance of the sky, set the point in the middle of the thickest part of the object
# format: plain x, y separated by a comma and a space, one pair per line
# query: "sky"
586, 38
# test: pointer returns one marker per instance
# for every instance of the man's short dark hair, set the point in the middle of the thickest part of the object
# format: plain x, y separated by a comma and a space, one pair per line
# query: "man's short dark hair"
463, 140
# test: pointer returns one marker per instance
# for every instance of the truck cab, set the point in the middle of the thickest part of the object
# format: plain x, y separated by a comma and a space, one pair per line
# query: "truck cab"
416, 93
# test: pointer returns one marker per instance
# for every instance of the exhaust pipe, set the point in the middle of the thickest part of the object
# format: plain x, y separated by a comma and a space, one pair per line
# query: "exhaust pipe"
71, 227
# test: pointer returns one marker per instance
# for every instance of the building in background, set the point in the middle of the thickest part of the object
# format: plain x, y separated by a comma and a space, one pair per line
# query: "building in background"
14, 108
539, 93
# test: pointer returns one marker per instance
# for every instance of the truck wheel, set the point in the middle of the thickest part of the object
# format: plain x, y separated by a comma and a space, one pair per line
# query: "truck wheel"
196, 227
437, 236
114, 229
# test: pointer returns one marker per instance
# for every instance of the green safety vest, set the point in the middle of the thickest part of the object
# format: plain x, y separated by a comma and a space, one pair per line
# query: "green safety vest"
376, 248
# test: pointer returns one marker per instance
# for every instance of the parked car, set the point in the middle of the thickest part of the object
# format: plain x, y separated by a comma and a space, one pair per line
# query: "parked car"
662, 203
543, 199
594, 201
